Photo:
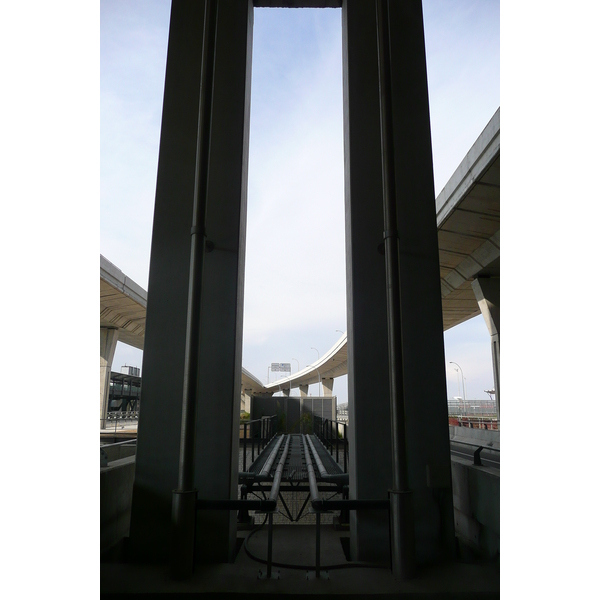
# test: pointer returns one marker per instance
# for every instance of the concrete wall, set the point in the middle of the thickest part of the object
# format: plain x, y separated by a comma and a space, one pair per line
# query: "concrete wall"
116, 488
476, 496
490, 438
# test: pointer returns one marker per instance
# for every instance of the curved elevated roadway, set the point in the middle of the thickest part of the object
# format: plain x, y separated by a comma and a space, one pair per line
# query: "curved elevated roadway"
468, 218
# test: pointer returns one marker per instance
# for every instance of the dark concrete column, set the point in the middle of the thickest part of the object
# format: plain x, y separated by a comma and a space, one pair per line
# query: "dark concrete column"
219, 367
368, 391
487, 292
425, 397
427, 444
108, 343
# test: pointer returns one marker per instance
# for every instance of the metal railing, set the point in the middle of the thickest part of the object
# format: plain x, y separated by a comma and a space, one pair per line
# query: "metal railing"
104, 455
473, 410
333, 435
117, 417
258, 432
476, 422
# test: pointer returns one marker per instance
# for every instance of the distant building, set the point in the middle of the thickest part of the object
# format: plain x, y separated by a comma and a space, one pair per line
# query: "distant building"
127, 370
342, 413
125, 390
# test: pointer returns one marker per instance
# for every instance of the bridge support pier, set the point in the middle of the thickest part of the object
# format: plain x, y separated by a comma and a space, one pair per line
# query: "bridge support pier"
108, 343
487, 292
327, 386
303, 391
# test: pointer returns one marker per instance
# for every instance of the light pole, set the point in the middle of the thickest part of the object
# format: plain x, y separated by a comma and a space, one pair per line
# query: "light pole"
463, 378
268, 369
297, 362
319, 374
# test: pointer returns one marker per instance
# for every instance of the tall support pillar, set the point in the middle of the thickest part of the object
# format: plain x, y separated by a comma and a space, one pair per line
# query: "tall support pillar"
221, 226
487, 292
303, 391
368, 391
108, 343
427, 450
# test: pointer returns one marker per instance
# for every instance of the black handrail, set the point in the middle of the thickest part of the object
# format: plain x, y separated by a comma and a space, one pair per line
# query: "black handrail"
267, 429
324, 429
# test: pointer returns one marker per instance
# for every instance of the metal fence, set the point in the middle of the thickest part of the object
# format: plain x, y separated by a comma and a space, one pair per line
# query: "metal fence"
117, 419
475, 408
334, 436
254, 436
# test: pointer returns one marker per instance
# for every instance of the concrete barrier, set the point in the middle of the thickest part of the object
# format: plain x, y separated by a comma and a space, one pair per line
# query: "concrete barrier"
476, 497
120, 451
116, 488
489, 438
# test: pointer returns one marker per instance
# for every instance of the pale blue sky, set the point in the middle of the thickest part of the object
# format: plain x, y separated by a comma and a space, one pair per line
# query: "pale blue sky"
296, 189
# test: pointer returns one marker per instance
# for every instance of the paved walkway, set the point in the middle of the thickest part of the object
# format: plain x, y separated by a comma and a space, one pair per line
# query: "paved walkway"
296, 546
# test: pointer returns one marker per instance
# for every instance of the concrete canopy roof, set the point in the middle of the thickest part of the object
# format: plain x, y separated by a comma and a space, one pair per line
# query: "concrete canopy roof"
122, 304
468, 219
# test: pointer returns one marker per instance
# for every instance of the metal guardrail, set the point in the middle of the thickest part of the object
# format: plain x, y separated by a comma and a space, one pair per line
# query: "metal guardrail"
117, 417
120, 415
258, 432
328, 431
104, 456
131, 441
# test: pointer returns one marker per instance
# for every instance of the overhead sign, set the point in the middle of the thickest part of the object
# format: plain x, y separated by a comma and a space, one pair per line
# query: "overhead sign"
281, 367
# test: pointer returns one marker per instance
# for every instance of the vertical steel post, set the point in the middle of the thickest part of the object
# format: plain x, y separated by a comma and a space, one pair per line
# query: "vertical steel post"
184, 497
270, 546
318, 549
401, 522
245, 435
345, 449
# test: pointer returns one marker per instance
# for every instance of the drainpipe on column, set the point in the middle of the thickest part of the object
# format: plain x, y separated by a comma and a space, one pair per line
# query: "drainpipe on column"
183, 520
402, 537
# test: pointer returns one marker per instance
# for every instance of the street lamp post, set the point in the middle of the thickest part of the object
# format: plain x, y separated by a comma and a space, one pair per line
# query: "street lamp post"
319, 374
268, 369
463, 378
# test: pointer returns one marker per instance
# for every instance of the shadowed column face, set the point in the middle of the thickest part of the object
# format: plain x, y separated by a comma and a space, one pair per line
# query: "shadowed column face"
219, 333
368, 391
423, 370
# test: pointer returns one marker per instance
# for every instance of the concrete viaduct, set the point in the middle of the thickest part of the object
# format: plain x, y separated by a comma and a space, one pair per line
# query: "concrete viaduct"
468, 219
